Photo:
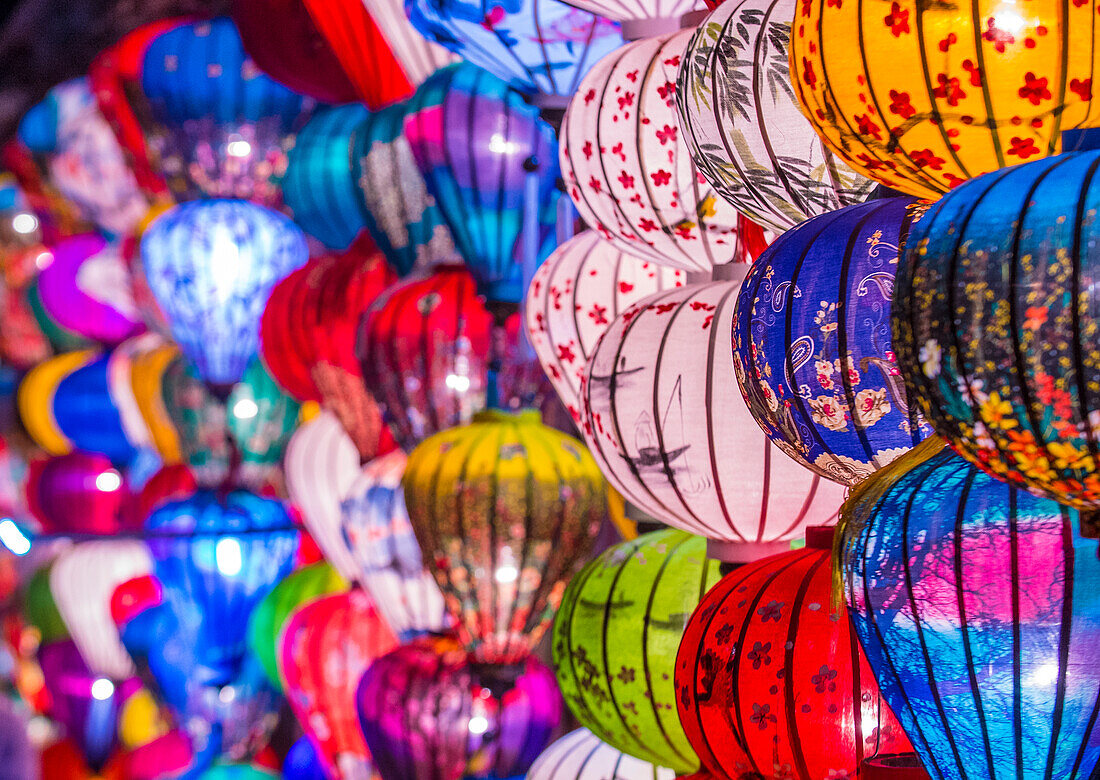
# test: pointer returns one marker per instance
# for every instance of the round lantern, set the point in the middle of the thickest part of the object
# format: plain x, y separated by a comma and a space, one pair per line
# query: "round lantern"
976, 605
211, 265
302, 762
740, 119
40, 610
87, 413
812, 343
82, 579
325, 648
667, 431
123, 390
163, 756
380, 538
78, 494
629, 170
426, 711
285, 348
225, 771
615, 640
769, 679
576, 294
219, 127
995, 322
169, 483
477, 142
35, 399
922, 99
141, 721
580, 755
63, 760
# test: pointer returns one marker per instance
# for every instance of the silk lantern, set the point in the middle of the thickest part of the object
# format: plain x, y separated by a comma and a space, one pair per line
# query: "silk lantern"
35, 399
741, 121
974, 602
672, 439
79, 494
39, 609
923, 99
390, 564
580, 755
584, 285
62, 760
995, 324
87, 412
169, 483
813, 352
147, 370
284, 346
769, 678
427, 711
302, 762
211, 265
226, 771
615, 640
60, 338
132, 354
326, 647
629, 170
419, 57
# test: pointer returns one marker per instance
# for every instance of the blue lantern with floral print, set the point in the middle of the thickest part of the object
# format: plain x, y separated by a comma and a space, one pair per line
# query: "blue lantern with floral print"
812, 344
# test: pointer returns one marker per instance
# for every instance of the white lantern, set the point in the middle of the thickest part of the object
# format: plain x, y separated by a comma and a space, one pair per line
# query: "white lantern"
580, 755
418, 56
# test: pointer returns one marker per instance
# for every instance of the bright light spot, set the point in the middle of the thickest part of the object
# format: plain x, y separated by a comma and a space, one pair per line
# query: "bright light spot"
227, 694
460, 384
1009, 20
498, 145
103, 689
13, 538
40, 731
24, 223
1045, 676
245, 409
478, 725
227, 554
108, 481
506, 574
43, 260
238, 148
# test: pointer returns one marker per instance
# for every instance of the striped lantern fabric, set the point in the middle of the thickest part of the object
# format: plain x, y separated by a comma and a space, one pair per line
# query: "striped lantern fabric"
82, 580
976, 603
673, 440
584, 285
628, 168
771, 681
86, 413
741, 121
283, 346
580, 755
419, 57
615, 640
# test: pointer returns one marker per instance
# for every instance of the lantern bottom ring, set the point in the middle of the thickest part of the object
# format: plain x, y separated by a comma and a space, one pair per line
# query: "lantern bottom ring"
743, 552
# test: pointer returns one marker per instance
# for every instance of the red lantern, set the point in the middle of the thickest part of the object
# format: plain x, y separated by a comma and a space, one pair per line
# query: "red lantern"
771, 682
170, 483
133, 597
280, 343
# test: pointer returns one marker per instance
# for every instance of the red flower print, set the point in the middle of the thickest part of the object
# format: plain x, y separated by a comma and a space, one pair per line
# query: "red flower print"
1023, 147
587, 149
617, 150
925, 158
761, 713
1082, 88
664, 308
874, 164
493, 18
806, 6
897, 20
595, 185
947, 42
589, 96
673, 62
632, 75
900, 104
948, 89
808, 73
626, 99
565, 354
974, 71
667, 90
833, 3
625, 287
666, 135
660, 178
683, 230
702, 306
1034, 89
648, 225
867, 126
998, 37
626, 180
953, 180
598, 314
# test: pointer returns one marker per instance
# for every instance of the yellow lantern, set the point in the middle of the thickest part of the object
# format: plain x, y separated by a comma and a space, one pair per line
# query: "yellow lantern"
140, 720
146, 375
35, 399
923, 96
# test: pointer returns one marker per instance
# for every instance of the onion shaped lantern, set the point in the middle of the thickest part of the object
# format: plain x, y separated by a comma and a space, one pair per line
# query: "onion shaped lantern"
974, 601
211, 265
580, 755
741, 120
674, 441
78, 494
532, 500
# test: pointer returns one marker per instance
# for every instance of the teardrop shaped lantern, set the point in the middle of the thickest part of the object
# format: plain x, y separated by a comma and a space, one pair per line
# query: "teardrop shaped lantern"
580, 755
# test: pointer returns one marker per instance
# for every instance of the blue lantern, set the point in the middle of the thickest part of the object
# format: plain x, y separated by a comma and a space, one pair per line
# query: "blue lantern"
977, 605
87, 415
211, 266
302, 763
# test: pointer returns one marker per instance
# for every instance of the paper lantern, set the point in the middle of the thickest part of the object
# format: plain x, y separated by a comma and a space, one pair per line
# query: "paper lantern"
923, 99
82, 580
813, 352
995, 324
86, 412
302, 762
35, 399
390, 564
673, 440
530, 499
741, 121
79, 494
476, 141
615, 640
39, 608
769, 678
628, 167
218, 126
211, 265
576, 294
974, 602
426, 711
580, 755
326, 647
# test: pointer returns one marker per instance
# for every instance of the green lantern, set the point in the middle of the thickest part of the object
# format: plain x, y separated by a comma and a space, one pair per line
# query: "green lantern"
616, 637
40, 610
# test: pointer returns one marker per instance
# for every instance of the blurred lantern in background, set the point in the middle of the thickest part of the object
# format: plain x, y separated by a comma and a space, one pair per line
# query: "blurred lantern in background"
532, 499
615, 640
87, 412
147, 370
35, 399
167, 756
169, 483
141, 720
211, 265
57, 216
62, 760
427, 711
285, 347
40, 610
303, 763
61, 339
225, 771
79, 494
124, 393
419, 56
580, 755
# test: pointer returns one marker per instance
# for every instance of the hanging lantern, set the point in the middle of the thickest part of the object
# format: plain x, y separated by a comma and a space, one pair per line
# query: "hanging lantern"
141, 721
79, 494
222, 771
476, 141
390, 565
770, 680
87, 414
673, 440
418, 56
40, 610
531, 498
35, 399
147, 371
629, 170
63, 760
426, 711
576, 294
812, 342
974, 602
303, 763
169, 483
286, 350
165, 756
218, 126
741, 121
82, 580
211, 265
615, 637
922, 99
580, 755
995, 323
326, 647
121, 388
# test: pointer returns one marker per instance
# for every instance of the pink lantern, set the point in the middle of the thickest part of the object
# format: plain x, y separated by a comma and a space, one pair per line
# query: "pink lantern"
673, 438
79, 494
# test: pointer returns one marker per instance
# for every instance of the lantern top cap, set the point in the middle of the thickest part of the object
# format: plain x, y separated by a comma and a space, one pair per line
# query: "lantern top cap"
820, 537
523, 416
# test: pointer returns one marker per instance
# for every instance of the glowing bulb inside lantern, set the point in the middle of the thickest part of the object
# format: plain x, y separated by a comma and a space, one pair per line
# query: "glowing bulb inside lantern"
227, 694
1007, 19
24, 223
1045, 676
506, 574
238, 147
245, 409
460, 384
226, 263
102, 689
108, 481
478, 725
43, 260
498, 145
13, 538
227, 554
